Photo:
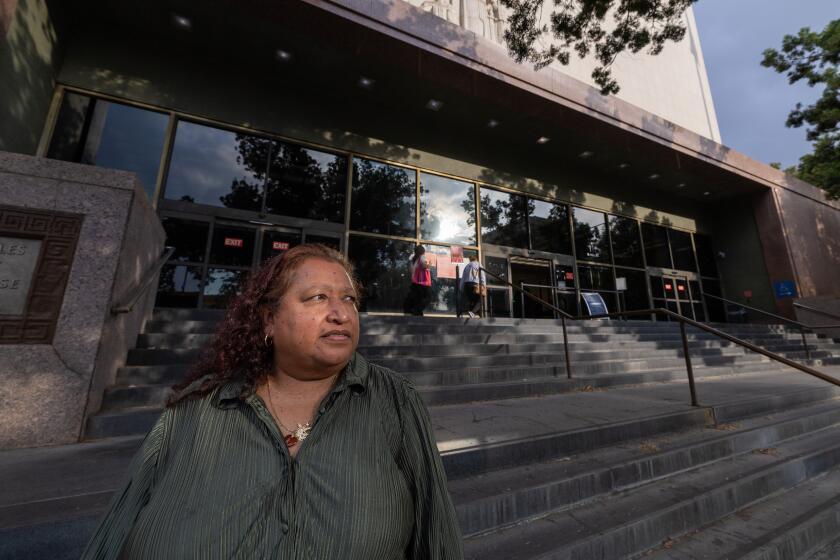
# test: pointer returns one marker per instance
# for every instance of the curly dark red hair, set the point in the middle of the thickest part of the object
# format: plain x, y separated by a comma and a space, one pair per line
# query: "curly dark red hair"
238, 350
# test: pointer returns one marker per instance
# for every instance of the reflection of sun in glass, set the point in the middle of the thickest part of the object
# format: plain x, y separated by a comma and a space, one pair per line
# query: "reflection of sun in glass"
448, 228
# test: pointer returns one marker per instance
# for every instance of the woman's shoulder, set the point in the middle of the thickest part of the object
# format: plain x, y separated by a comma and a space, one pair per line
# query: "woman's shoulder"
384, 382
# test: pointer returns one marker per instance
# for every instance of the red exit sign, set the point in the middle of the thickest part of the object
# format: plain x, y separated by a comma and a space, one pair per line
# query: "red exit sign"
234, 242
280, 245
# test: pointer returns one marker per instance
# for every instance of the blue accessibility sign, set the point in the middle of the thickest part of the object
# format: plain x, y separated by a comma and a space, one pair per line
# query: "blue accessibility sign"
784, 289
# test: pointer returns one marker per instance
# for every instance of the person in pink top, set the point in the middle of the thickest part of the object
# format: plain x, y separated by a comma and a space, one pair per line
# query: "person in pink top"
421, 282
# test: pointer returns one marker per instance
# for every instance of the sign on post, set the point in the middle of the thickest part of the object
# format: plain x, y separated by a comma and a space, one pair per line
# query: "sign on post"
595, 304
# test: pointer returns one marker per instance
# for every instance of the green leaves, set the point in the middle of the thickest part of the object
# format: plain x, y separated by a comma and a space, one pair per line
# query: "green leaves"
603, 28
815, 57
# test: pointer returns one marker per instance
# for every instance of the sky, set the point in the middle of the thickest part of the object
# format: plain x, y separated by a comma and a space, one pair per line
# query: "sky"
752, 102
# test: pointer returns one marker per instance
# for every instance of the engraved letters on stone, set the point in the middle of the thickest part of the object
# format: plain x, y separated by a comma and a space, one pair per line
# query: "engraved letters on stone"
18, 259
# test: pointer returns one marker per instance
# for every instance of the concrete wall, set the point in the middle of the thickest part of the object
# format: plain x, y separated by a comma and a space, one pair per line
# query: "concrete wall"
45, 390
673, 85
29, 58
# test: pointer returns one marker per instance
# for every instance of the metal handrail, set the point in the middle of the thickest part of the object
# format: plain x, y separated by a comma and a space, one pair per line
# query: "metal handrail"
748, 345
683, 320
779, 317
132, 296
814, 310
563, 315
802, 326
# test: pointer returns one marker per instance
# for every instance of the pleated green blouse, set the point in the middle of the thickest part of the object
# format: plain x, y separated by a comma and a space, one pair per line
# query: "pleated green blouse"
213, 479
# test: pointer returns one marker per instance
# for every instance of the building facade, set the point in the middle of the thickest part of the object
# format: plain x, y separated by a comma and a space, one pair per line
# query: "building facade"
373, 126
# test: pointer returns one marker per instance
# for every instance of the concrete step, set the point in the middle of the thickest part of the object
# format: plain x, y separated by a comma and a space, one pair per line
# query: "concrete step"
514, 495
577, 342
799, 524
632, 521
551, 380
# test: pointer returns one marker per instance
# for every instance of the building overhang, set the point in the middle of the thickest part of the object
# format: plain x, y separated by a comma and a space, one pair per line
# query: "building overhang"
411, 57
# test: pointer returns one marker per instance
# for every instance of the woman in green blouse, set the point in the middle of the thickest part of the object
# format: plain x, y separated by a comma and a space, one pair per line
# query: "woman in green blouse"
285, 443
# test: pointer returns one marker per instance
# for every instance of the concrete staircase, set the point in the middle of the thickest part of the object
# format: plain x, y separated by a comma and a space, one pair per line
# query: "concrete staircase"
611, 464
455, 361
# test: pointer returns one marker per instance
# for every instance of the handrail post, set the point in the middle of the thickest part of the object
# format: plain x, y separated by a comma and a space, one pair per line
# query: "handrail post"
688, 369
805, 343
566, 348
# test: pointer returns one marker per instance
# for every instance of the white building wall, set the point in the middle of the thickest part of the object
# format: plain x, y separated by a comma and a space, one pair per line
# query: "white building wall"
672, 84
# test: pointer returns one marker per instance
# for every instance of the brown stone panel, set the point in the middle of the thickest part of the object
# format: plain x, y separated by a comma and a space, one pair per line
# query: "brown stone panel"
813, 235
59, 234
774, 246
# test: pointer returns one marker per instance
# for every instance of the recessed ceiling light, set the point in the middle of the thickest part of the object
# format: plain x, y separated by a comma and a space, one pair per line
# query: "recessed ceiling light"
434, 104
681, 186
181, 21
492, 123
623, 165
366, 83
543, 140
284, 56
586, 154
653, 176
707, 193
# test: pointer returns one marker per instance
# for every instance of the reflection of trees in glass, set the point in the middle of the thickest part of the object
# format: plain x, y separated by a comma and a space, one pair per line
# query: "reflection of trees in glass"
504, 219
383, 199
253, 156
551, 233
189, 237
222, 285
627, 246
301, 186
382, 266
591, 239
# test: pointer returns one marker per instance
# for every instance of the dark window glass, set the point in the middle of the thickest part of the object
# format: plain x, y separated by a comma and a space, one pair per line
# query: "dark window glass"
217, 167
699, 314
549, 227
498, 302
179, 286
656, 287
68, 138
626, 243
383, 267
504, 219
564, 276
498, 266
222, 286
682, 251
107, 134
277, 242
306, 183
595, 278
447, 210
694, 286
383, 199
715, 307
329, 241
635, 296
232, 245
705, 255
591, 241
656, 246
189, 237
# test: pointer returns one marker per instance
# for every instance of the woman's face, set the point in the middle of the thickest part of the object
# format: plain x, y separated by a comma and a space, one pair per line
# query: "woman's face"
315, 326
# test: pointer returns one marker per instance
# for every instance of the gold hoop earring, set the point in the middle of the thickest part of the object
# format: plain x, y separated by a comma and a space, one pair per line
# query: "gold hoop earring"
267, 341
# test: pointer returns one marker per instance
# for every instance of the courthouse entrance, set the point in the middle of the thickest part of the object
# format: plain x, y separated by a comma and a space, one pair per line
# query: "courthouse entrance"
214, 256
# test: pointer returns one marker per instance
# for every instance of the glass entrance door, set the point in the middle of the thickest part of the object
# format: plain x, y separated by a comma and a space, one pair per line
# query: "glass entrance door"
677, 294
534, 277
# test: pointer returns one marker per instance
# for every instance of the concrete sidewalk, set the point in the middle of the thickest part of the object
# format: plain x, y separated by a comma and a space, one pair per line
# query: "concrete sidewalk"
43, 488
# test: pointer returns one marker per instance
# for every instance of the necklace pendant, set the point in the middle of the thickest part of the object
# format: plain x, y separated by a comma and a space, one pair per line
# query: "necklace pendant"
291, 440
302, 431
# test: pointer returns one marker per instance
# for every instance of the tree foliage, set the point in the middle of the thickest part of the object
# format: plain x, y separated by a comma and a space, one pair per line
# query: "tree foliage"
815, 57
604, 28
